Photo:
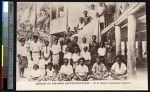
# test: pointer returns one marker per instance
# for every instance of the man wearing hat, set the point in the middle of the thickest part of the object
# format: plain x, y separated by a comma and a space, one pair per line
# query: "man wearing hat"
118, 69
35, 50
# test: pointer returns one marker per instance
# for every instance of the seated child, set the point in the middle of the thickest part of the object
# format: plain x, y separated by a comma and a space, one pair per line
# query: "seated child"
36, 74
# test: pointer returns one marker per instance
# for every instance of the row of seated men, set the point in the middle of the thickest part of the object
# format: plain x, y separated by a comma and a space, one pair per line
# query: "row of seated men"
80, 72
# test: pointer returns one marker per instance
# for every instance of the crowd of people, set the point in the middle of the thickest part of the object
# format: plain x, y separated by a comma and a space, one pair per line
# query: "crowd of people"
68, 60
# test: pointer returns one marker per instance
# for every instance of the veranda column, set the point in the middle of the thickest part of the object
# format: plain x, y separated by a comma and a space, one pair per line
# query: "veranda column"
118, 40
131, 56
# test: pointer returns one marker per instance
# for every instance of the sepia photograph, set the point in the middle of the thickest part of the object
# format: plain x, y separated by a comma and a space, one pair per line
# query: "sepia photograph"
73, 45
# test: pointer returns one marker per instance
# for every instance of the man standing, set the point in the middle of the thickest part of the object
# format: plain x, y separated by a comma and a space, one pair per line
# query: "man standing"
35, 50
56, 49
86, 18
84, 44
93, 48
46, 53
75, 45
100, 12
22, 57
92, 12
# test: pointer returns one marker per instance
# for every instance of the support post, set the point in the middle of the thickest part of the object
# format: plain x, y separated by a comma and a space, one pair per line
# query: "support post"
118, 40
131, 55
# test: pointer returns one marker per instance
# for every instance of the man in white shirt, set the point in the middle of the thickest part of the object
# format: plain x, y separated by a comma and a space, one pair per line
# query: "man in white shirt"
35, 50
81, 70
84, 44
92, 12
118, 69
100, 12
56, 48
102, 50
66, 71
98, 70
22, 57
47, 54
75, 57
68, 55
80, 25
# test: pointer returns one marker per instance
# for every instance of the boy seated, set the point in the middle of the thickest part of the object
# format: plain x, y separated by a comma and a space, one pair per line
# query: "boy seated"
98, 70
66, 71
81, 70
50, 72
118, 69
36, 74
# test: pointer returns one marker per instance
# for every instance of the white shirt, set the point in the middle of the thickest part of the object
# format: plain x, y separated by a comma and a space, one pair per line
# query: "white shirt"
82, 45
56, 48
102, 51
50, 72
116, 69
92, 13
80, 25
68, 55
98, 68
66, 69
86, 55
46, 52
37, 73
100, 11
81, 70
35, 47
22, 50
75, 57
64, 48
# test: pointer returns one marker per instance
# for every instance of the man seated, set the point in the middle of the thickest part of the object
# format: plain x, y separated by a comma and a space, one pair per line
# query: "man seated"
98, 70
81, 70
66, 71
118, 70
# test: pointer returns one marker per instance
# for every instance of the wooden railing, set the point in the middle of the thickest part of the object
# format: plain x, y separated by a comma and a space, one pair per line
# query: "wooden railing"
130, 10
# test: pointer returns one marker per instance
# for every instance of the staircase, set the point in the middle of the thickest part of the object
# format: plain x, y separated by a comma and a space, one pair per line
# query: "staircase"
88, 31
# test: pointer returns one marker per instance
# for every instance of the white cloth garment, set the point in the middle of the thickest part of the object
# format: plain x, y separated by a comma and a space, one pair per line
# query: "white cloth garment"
46, 51
92, 13
86, 55
50, 73
100, 11
81, 70
56, 49
64, 48
22, 50
75, 57
66, 69
68, 55
82, 45
116, 69
102, 51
